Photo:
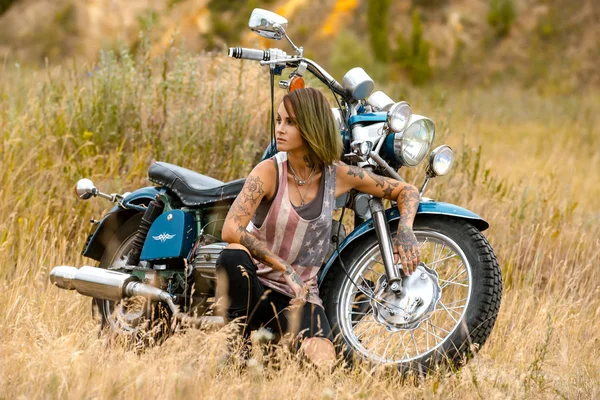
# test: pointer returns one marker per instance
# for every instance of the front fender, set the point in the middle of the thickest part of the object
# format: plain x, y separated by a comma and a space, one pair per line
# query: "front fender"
103, 231
392, 214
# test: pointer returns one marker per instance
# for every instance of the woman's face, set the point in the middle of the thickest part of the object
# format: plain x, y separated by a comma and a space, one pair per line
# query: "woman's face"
286, 131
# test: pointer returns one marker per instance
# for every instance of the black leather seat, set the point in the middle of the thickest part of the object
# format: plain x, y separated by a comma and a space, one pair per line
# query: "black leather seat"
193, 189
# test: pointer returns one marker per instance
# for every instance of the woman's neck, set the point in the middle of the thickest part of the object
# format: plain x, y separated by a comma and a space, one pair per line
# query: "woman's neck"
301, 163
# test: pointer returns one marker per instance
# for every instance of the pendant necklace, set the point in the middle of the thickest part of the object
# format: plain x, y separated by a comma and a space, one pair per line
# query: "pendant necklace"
308, 182
300, 182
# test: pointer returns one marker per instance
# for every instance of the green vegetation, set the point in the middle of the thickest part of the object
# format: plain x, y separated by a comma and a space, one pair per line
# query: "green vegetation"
414, 55
377, 23
501, 16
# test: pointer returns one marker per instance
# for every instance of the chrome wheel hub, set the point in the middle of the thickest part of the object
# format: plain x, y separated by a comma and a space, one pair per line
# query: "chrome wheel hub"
418, 299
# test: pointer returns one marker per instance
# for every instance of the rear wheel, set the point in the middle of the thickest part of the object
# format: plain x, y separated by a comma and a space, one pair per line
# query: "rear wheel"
448, 309
135, 318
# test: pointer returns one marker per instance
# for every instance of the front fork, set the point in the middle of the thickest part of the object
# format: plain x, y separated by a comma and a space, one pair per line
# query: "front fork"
385, 244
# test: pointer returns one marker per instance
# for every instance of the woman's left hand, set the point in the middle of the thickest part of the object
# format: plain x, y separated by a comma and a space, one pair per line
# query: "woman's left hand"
406, 250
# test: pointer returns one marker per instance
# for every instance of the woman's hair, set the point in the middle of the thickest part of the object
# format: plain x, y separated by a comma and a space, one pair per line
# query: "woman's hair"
315, 122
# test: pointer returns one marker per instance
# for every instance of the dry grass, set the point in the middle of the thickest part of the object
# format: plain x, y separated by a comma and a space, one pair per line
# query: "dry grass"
529, 165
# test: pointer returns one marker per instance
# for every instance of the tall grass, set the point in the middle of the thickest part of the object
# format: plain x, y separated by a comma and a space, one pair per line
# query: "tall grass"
530, 165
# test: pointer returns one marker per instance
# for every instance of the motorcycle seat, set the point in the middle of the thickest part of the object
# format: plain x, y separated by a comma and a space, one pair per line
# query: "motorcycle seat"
193, 189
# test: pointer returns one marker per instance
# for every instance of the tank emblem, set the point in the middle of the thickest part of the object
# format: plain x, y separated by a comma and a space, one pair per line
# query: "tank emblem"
163, 237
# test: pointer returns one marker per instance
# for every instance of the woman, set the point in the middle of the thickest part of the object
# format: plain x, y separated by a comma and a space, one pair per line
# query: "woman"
279, 227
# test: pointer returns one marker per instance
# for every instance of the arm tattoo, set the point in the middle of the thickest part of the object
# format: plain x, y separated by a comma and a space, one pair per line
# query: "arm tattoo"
387, 185
252, 190
256, 248
356, 171
408, 203
289, 271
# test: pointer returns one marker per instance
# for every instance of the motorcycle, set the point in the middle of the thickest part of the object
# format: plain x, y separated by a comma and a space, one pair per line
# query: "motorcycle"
157, 247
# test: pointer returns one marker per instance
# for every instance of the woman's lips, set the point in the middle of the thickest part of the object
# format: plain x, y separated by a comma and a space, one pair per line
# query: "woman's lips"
281, 140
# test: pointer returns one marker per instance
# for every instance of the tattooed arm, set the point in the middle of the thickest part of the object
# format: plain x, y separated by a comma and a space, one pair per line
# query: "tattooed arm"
260, 183
406, 249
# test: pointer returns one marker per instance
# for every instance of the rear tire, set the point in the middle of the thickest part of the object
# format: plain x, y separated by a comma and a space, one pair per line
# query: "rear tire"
476, 277
134, 319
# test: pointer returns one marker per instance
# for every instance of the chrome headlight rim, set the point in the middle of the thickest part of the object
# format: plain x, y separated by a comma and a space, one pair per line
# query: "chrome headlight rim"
434, 168
402, 139
398, 116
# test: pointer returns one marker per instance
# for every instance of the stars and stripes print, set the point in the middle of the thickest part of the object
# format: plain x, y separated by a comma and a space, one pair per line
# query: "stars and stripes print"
300, 242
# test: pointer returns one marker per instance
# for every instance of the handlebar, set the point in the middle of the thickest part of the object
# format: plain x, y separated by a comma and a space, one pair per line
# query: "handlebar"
249, 54
276, 56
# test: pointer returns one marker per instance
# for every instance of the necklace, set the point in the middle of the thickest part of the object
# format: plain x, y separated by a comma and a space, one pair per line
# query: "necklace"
300, 182
309, 181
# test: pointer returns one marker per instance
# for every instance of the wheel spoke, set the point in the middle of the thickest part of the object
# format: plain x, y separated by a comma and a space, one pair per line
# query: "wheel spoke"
443, 259
360, 312
438, 327
456, 301
433, 333
401, 343
452, 283
412, 338
448, 311
372, 322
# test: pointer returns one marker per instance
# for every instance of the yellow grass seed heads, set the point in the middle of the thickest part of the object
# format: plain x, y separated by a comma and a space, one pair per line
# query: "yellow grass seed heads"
528, 164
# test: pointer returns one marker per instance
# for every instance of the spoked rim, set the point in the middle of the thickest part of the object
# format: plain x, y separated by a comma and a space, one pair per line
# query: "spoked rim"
127, 315
371, 338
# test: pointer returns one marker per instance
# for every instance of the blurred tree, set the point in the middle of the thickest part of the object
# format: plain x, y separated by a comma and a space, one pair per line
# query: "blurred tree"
501, 16
5, 5
377, 19
414, 55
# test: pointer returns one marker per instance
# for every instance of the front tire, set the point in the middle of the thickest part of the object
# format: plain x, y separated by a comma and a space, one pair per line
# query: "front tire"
470, 281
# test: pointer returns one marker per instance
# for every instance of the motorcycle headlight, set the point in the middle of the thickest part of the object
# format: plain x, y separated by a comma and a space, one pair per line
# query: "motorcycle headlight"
398, 116
412, 145
440, 161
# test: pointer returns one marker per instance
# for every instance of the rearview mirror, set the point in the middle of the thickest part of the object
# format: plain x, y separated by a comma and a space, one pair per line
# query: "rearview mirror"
267, 24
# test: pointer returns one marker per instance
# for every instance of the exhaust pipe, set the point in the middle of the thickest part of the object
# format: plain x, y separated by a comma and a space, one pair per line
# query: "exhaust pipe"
93, 282
112, 285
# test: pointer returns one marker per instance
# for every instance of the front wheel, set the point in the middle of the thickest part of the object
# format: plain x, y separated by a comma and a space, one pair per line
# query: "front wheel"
448, 308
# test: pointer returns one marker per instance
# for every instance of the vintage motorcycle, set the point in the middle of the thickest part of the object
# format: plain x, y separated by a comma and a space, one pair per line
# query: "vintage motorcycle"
158, 246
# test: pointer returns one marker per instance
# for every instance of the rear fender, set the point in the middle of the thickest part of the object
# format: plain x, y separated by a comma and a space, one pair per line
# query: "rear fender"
103, 231
392, 214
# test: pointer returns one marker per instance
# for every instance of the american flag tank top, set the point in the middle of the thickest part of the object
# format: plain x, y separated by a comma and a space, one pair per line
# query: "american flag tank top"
300, 242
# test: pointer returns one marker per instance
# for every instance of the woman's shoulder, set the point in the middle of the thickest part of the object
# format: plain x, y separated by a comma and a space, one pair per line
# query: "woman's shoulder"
265, 173
265, 168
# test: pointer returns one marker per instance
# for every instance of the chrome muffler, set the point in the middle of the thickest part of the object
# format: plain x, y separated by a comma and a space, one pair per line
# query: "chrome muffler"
112, 285
93, 282
105, 284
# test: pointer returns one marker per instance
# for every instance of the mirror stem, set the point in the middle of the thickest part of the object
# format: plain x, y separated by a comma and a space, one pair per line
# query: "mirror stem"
299, 50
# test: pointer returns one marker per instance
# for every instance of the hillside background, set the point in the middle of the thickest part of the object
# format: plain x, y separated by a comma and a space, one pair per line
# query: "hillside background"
551, 45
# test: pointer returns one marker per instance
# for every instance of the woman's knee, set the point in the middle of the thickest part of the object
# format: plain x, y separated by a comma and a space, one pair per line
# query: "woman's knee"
319, 349
231, 257
237, 246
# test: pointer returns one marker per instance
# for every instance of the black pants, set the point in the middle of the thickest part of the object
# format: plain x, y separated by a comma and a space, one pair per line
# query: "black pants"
260, 306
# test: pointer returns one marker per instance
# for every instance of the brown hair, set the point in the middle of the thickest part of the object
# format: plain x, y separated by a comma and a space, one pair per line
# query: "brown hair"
316, 124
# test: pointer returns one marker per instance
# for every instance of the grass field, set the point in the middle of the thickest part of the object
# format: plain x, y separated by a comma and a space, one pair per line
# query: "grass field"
528, 164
